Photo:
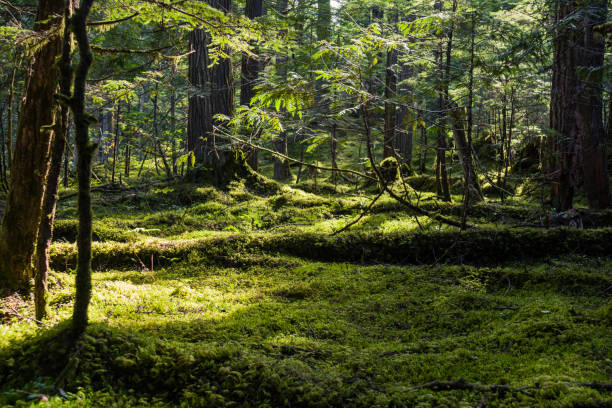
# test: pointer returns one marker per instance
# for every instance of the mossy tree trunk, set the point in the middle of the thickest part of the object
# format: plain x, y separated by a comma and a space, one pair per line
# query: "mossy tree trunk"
45, 231
30, 162
85, 152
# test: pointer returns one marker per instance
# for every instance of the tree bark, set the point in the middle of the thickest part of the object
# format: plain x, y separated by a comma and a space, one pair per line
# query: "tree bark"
576, 149
457, 120
390, 108
251, 66
282, 170
45, 231
215, 95
29, 167
85, 152
443, 188
590, 108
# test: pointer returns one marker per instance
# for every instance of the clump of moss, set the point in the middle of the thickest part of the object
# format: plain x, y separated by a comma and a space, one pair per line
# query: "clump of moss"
389, 170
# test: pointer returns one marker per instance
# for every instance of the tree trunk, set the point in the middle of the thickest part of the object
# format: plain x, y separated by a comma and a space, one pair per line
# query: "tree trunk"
576, 152
390, 108
215, 95
251, 66
156, 137
116, 142
128, 146
333, 144
282, 171
30, 161
85, 152
58, 148
590, 107
404, 131
457, 120
443, 188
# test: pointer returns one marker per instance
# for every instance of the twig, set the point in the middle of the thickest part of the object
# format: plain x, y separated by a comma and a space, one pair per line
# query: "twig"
363, 213
15, 313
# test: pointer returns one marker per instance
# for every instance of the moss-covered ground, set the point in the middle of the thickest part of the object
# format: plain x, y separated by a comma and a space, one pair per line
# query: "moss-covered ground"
212, 299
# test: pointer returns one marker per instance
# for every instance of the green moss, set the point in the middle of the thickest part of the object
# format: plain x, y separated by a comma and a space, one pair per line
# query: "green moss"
325, 334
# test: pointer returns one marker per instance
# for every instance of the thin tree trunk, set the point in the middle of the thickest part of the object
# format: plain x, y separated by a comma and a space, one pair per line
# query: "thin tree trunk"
85, 151
173, 126
156, 137
67, 158
442, 185
334, 153
424, 148
390, 108
128, 145
116, 142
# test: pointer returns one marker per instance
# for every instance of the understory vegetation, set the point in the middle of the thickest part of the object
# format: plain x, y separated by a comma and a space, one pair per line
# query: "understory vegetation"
204, 297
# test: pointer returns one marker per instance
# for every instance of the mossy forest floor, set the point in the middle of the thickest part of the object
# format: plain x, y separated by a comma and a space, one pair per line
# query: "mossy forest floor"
208, 298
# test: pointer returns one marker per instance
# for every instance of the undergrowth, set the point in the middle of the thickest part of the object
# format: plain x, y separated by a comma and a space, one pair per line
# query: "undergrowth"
244, 298
285, 332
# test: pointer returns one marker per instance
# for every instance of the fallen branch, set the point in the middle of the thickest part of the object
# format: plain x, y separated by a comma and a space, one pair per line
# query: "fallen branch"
462, 384
291, 159
363, 214
15, 313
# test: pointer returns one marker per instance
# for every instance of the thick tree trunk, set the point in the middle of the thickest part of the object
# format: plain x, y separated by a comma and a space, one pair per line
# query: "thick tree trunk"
30, 161
576, 152
58, 148
251, 66
590, 108
215, 95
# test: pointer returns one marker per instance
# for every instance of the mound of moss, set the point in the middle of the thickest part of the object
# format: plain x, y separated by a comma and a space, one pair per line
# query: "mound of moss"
487, 246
